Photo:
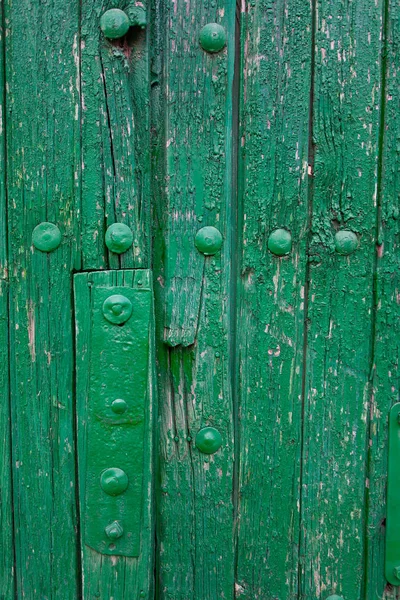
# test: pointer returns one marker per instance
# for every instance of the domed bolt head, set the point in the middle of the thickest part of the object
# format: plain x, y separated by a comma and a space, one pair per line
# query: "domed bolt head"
345, 242
208, 240
119, 238
114, 23
213, 37
46, 237
280, 242
117, 309
114, 481
114, 530
119, 406
208, 440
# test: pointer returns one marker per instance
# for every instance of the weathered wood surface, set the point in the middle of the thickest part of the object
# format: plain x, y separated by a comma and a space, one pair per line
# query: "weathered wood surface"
7, 567
346, 128
385, 370
115, 138
273, 186
43, 142
193, 161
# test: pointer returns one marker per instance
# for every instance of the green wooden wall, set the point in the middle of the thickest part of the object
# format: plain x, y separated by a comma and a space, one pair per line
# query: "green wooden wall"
292, 130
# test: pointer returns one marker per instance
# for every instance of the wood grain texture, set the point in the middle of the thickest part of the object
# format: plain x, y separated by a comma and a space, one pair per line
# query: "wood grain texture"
193, 179
42, 124
115, 138
273, 183
7, 555
346, 125
114, 576
386, 372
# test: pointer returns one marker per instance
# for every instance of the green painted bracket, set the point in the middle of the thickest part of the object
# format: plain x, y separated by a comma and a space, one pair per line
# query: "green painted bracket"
392, 558
114, 324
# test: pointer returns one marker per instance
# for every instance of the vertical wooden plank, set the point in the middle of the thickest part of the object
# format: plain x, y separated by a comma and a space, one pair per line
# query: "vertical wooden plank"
7, 579
42, 123
115, 135
193, 188
274, 124
386, 373
115, 188
346, 123
106, 576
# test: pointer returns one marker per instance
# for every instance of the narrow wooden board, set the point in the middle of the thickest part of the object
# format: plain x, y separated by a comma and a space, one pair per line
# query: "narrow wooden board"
115, 138
7, 554
274, 136
346, 128
113, 576
42, 124
386, 370
192, 99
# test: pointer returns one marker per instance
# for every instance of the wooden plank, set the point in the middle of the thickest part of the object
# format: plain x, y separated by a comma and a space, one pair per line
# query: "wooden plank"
7, 558
193, 179
274, 125
114, 576
386, 373
42, 124
115, 138
346, 127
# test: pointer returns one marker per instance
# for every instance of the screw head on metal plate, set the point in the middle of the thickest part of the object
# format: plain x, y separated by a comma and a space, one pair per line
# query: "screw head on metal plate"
114, 530
119, 238
117, 309
208, 240
46, 237
114, 481
345, 242
119, 406
208, 440
213, 37
114, 23
280, 242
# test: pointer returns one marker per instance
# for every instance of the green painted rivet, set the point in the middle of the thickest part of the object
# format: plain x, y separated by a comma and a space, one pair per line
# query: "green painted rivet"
46, 237
217, 355
142, 594
280, 242
212, 37
114, 23
189, 439
117, 309
119, 238
114, 530
114, 481
208, 440
119, 406
345, 242
208, 240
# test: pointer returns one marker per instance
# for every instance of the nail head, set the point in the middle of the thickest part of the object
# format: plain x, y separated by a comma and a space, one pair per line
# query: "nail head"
280, 242
114, 23
345, 242
213, 37
208, 440
46, 237
117, 309
119, 238
208, 240
114, 481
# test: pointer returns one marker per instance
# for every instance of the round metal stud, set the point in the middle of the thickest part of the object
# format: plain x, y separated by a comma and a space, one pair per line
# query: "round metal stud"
114, 23
117, 309
46, 237
213, 37
208, 440
208, 240
114, 481
119, 406
114, 530
280, 242
119, 238
345, 242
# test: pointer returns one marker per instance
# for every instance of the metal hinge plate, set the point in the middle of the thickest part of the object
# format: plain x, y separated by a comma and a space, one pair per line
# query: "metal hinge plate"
113, 312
